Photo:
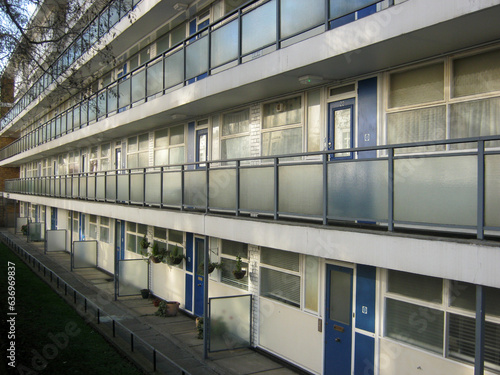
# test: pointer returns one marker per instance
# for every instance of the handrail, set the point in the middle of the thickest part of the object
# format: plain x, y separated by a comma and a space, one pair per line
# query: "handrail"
387, 187
111, 100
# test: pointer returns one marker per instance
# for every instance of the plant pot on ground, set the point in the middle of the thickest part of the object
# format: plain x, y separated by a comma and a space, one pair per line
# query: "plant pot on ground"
145, 293
167, 309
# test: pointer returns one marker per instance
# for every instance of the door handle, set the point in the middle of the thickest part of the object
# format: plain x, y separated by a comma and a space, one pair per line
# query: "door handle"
337, 339
199, 284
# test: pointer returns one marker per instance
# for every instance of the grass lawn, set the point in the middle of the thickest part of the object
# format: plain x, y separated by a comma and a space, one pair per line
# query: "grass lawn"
50, 337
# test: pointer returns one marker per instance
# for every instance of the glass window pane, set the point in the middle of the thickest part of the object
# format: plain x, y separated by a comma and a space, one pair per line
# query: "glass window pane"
344, 7
416, 286
420, 85
161, 138
132, 144
282, 142
161, 157
235, 248
143, 142
160, 233
177, 135
419, 125
476, 74
280, 258
281, 113
236, 122
463, 295
234, 148
340, 297
227, 277
313, 121
176, 155
416, 325
280, 286
311, 283
175, 236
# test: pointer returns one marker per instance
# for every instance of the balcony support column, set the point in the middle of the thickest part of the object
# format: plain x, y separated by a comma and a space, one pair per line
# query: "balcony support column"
480, 190
390, 184
480, 320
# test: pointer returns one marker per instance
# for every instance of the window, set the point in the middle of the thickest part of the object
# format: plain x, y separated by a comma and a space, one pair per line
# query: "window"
439, 316
105, 157
93, 159
169, 239
476, 74
92, 227
169, 146
282, 127
280, 278
104, 229
229, 251
235, 139
134, 235
137, 151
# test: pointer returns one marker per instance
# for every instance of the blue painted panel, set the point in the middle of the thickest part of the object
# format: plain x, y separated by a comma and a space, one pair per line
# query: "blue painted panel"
189, 252
365, 298
189, 292
367, 116
191, 145
364, 355
367, 11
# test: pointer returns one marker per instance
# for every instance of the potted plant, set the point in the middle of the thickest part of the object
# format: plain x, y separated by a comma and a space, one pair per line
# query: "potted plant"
211, 266
166, 309
174, 256
238, 272
157, 254
145, 293
144, 243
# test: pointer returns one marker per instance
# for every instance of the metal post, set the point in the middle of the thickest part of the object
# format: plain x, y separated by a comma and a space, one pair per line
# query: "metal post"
480, 315
480, 190
182, 187
325, 189
238, 163
207, 181
390, 184
276, 187
131, 342
205, 299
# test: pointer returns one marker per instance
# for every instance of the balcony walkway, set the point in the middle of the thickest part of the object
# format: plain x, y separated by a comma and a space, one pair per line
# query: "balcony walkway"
175, 337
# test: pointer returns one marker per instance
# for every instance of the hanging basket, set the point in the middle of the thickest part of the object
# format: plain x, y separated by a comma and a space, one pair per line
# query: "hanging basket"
239, 274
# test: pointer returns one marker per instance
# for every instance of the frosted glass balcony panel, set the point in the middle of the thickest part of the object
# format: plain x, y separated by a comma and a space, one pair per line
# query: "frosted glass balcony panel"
343, 7
56, 240
257, 189
174, 69
57, 188
197, 58
224, 44
222, 188
92, 108
83, 187
111, 187
76, 118
492, 190
100, 193
153, 191
137, 187
63, 187
75, 186
133, 276
437, 190
84, 113
124, 93
358, 190
230, 322
311, 14
101, 104
301, 189
195, 188
138, 86
155, 78
172, 189
123, 187
91, 187
112, 94
259, 27
84, 254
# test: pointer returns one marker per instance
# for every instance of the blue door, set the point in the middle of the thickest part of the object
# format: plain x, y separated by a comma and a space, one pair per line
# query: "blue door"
53, 218
120, 239
199, 286
341, 127
338, 320
81, 228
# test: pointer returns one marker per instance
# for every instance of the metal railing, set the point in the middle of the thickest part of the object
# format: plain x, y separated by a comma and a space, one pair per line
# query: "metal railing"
456, 188
240, 36
109, 324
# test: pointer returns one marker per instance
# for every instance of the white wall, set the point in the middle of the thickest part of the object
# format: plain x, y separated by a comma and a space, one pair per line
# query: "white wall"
399, 359
168, 283
292, 334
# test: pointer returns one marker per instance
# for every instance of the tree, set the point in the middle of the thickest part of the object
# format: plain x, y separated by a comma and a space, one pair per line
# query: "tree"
34, 34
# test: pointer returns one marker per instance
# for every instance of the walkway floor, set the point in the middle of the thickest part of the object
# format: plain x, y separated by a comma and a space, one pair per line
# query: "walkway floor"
175, 337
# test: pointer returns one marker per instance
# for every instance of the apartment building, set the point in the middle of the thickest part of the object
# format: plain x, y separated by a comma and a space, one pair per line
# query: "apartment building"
344, 154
